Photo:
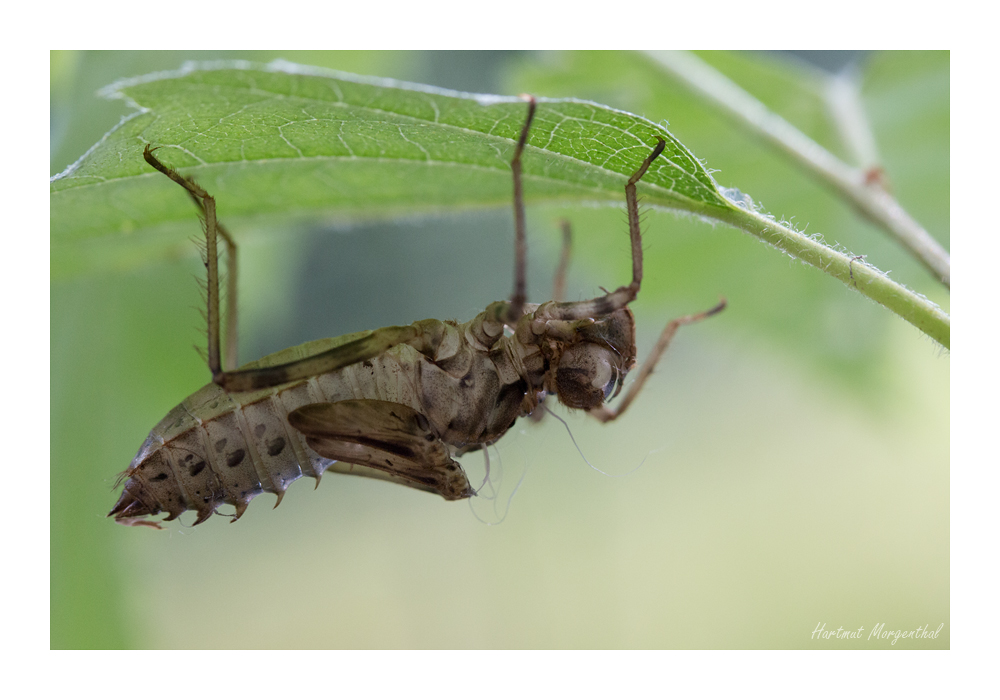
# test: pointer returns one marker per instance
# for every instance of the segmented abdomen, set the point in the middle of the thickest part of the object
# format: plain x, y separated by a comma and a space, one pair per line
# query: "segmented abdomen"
217, 448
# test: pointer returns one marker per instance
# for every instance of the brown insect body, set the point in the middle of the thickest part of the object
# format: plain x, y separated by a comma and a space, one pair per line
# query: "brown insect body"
470, 382
399, 403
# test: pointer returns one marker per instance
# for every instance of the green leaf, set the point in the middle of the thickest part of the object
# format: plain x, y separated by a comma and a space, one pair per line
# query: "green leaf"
910, 110
289, 141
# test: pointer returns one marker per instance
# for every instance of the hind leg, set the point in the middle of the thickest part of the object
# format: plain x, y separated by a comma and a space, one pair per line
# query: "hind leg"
206, 205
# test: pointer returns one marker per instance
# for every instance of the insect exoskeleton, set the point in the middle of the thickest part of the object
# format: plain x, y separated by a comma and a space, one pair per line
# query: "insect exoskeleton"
397, 403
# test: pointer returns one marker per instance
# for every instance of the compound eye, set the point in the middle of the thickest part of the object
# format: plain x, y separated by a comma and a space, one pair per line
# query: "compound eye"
613, 386
586, 376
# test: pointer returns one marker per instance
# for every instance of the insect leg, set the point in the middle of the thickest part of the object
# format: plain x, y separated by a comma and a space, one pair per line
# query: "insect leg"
620, 298
230, 351
232, 347
559, 282
605, 413
245, 380
206, 205
558, 291
364, 348
519, 296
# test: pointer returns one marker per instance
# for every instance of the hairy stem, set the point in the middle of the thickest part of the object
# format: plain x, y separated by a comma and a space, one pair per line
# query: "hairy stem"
851, 183
852, 271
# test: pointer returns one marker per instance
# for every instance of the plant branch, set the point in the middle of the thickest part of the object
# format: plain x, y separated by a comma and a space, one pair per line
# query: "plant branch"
843, 96
852, 271
868, 197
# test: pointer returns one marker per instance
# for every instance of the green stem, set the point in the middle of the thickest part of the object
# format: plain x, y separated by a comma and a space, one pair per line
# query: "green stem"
852, 271
851, 183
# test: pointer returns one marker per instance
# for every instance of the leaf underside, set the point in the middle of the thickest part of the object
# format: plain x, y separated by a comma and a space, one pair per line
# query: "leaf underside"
282, 140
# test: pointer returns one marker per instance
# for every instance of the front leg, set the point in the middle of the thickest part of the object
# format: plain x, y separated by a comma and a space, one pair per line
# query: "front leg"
606, 413
620, 298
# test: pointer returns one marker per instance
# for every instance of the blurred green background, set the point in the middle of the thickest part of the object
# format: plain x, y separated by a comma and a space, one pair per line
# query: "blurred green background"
794, 450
